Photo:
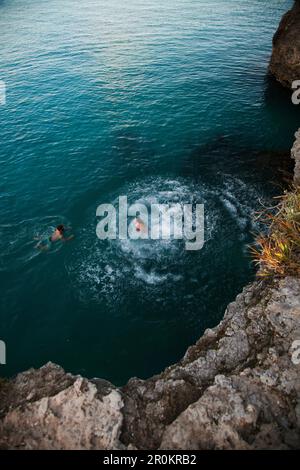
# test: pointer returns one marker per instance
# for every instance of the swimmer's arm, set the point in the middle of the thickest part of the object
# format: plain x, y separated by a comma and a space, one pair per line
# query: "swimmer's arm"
66, 239
39, 246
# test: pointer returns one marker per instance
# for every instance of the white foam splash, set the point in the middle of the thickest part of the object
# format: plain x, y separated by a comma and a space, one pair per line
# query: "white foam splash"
112, 267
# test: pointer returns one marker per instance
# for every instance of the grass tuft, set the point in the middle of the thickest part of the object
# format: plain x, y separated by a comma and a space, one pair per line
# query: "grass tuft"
278, 252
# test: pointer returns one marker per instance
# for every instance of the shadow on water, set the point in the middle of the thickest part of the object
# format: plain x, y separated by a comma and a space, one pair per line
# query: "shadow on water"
277, 95
232, 154
227, 155
278, 104
223, 155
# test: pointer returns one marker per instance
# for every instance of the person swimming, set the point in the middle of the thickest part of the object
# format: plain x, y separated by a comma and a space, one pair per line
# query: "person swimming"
139, 224
57, 235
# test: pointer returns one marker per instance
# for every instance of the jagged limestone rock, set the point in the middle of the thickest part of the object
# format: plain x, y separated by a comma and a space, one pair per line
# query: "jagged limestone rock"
257, 406
74, 418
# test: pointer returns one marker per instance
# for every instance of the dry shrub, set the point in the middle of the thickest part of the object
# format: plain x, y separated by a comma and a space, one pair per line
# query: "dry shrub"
278, 252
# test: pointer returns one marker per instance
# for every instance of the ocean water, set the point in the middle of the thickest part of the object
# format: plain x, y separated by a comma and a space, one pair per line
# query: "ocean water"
160, 101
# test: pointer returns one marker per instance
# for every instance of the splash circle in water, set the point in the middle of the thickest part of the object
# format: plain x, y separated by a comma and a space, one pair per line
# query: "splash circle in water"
110, 270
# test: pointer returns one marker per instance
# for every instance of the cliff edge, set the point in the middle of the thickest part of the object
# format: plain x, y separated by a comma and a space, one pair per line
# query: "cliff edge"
285, 60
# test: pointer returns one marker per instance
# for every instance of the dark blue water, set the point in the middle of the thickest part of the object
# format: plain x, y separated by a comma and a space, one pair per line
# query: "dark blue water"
161, 101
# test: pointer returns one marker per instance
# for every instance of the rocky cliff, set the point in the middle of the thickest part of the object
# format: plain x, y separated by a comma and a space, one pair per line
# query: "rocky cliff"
285, 60
237, 388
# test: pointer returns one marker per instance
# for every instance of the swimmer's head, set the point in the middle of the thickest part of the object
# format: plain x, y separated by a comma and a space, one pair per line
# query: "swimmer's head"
60, 228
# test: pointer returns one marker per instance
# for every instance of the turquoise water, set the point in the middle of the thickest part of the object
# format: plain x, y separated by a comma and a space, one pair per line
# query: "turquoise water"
161, 101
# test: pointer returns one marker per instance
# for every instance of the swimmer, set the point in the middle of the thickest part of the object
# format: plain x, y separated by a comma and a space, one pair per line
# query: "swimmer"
139, 224
57, 235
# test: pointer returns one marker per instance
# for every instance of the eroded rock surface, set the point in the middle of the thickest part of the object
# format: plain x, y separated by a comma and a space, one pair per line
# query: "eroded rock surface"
77, 417
285, 60
257, 404
242, 371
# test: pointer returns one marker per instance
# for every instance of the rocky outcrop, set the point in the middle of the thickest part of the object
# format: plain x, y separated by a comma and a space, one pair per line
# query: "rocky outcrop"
237, 388
296, 156
285, 60
248, 385
257, 404
68, 413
